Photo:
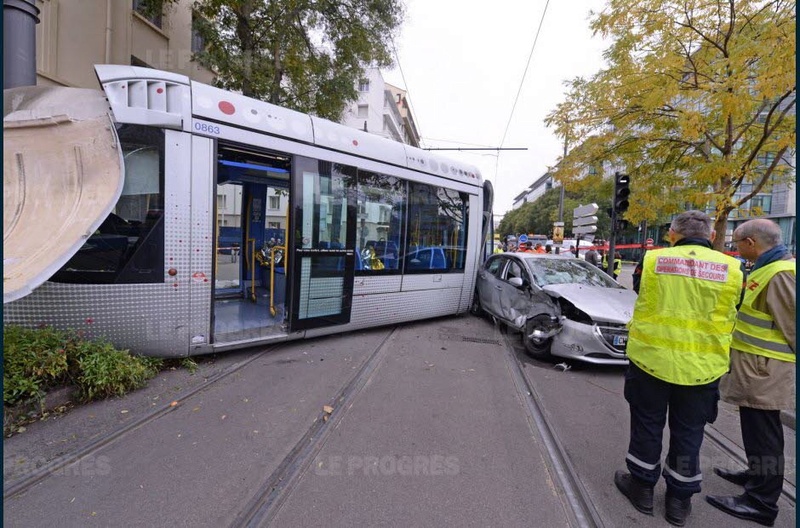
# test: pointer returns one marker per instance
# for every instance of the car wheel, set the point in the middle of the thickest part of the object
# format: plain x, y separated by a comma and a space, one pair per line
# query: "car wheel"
535, 347
475, 308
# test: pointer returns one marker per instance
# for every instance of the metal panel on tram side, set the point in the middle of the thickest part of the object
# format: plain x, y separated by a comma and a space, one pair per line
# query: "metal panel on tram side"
200, 273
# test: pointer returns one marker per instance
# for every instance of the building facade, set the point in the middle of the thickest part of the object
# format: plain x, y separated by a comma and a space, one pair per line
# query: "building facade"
532, 193
381, 109
74, 35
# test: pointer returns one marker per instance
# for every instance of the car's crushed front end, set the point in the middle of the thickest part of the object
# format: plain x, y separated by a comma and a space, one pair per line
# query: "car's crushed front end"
593, 323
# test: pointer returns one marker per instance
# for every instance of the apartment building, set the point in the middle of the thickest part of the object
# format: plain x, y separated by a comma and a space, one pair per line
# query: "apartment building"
381, 109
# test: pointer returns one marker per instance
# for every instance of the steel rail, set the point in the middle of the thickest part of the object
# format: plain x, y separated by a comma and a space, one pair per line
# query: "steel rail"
265, 503
579, 505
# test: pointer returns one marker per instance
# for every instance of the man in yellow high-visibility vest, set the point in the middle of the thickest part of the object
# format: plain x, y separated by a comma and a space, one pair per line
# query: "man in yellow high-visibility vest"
761, 380
678, 345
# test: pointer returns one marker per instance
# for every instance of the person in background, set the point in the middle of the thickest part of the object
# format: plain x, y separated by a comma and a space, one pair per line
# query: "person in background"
761, 380
617, 265
592, 257
498, 248
538, 248
548, 248
678, 346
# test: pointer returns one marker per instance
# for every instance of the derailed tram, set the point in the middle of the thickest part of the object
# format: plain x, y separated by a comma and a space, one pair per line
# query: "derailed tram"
150, 214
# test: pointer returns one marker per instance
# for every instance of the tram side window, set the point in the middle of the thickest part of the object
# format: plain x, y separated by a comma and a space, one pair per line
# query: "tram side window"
381, 200
128, 247
437, 229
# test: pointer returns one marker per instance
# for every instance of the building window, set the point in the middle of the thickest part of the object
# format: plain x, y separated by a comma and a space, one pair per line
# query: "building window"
221, 202
273, 225
363, 111
151, 10
363, 85
274, 202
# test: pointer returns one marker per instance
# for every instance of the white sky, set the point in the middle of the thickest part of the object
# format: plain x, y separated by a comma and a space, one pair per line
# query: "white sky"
463, 61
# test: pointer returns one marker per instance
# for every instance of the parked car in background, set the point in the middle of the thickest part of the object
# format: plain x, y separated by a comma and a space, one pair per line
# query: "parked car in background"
563, 306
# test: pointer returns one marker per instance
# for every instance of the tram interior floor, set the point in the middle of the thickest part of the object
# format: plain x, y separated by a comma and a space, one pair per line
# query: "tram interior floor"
236, 319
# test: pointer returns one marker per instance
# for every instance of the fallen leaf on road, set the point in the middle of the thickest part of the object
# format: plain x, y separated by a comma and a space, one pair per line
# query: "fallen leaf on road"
196, 409
328, 409
124, 411
173, 404
325, 418
223, 416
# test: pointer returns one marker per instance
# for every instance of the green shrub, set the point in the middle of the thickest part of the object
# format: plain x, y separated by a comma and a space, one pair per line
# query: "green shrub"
35, 360
105, 371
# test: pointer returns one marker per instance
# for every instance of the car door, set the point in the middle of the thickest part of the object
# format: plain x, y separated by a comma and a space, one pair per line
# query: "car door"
514, 301
488, 284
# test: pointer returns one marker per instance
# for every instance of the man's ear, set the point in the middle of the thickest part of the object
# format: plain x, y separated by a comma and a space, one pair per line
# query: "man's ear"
713, 236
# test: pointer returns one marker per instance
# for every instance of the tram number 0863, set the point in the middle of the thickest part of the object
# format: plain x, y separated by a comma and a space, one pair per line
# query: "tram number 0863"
205, 127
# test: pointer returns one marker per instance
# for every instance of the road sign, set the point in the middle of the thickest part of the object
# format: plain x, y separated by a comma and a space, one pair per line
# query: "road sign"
523, 239
582, 230
649, 242
585, 210
585, 220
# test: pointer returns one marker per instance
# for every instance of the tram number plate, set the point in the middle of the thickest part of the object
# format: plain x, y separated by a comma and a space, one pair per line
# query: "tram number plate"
620, 340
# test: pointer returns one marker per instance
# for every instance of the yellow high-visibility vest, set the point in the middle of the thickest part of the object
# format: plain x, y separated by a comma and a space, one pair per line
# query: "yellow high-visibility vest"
683, 318
755, 331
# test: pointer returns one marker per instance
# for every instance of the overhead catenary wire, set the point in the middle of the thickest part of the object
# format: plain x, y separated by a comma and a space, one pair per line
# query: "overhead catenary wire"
525, 73
519, 90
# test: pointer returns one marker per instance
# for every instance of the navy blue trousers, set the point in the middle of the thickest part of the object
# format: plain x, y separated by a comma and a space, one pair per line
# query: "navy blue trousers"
688, 408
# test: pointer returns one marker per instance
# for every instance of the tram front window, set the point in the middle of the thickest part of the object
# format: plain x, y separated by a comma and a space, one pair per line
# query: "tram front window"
128, 247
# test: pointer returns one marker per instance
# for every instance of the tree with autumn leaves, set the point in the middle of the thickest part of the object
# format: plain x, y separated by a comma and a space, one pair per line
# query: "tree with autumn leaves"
696, 102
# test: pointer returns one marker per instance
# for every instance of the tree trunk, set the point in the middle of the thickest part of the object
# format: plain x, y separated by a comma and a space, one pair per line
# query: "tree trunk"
721, 226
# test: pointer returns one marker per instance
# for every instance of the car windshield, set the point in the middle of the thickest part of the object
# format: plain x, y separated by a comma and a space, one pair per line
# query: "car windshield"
567, 271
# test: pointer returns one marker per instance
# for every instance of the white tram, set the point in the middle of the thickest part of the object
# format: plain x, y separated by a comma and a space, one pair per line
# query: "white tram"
160, 223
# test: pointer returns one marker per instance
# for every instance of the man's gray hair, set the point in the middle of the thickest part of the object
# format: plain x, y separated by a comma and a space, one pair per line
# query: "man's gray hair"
762, 229
693, 224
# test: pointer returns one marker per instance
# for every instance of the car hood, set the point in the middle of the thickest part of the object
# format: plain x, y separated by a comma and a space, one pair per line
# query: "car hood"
601, 304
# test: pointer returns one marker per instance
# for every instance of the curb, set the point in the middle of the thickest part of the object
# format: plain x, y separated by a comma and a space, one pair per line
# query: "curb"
50, 401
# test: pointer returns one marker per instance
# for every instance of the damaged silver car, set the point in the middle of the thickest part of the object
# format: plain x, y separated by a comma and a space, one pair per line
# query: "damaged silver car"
562, 305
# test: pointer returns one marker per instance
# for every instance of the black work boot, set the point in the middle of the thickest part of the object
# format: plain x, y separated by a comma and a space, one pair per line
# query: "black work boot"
677, 510
639, 493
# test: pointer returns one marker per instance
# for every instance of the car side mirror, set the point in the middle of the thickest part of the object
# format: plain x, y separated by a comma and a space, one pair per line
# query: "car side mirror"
517, 282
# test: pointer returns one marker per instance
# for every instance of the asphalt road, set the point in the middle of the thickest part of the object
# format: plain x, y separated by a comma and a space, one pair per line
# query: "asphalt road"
424, 427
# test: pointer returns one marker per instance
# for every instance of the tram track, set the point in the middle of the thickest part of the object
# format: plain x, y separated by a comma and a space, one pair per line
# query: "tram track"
21, 485
264, 504
578, 503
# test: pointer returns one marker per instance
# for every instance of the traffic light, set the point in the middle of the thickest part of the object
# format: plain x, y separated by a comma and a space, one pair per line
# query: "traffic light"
621, 193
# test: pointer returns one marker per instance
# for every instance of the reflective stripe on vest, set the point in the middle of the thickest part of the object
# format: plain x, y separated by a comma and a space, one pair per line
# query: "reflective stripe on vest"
755, 331
682, 321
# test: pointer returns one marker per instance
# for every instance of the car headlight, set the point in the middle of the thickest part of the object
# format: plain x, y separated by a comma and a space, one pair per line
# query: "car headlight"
572, 313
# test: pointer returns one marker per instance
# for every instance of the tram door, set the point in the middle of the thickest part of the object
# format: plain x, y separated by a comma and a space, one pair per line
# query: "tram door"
252, 194
323, 252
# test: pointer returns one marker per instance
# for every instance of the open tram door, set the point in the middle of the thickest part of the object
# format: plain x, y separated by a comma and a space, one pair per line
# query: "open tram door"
252, 203
322, 243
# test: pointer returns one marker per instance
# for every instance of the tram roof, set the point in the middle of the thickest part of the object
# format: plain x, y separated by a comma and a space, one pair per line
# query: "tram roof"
177, 107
